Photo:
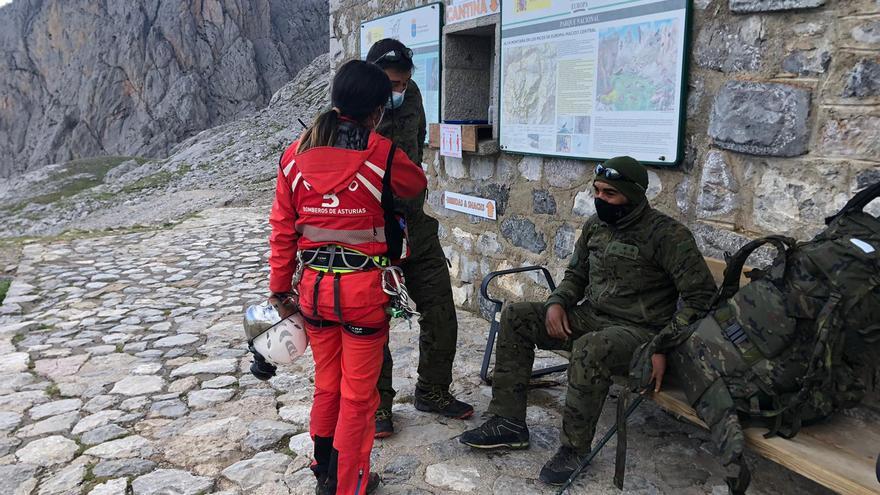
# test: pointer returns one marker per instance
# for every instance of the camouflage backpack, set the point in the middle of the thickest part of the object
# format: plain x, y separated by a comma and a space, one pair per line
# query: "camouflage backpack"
787, 348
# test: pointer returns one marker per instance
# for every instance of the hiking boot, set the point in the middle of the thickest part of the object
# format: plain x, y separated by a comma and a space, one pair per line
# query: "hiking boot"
498, 432
384, 423
326, 487
561, 466
373, 483
442, 402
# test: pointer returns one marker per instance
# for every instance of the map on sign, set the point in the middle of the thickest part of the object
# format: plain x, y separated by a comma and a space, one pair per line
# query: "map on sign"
593, 78
419, 30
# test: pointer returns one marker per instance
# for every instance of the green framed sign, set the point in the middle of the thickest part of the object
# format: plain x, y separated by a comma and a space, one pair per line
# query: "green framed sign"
593, 79
420, 29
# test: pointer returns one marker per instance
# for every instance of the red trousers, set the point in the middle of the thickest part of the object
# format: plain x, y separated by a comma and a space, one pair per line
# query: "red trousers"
347, 368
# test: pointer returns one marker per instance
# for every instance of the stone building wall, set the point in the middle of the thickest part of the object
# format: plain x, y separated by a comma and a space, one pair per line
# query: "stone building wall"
783, 125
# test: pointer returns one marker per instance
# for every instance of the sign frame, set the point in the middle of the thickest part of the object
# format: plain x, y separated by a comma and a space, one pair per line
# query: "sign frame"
441, 23
682, 95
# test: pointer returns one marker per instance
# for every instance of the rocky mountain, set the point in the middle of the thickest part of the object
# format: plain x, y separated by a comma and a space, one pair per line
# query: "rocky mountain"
84, 78
231, 164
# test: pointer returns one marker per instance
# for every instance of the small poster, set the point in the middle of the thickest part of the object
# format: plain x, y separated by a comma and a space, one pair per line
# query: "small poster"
472, 205
450, 140
465, 10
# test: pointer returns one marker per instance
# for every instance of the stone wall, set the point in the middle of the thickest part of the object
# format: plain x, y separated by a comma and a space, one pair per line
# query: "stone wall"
783, 125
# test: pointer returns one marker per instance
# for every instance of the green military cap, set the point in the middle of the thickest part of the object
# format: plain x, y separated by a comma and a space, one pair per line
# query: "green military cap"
626, 175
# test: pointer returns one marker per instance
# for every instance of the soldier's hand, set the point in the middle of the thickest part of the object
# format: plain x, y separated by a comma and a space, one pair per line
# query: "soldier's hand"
556, 322
658, 369
284, 304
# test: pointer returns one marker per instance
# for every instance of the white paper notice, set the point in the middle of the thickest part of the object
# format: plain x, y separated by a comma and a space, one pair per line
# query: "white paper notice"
450, 140
471, 205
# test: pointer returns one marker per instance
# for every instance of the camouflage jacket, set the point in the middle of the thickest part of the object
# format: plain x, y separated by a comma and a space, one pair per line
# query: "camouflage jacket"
636, 271
406, 126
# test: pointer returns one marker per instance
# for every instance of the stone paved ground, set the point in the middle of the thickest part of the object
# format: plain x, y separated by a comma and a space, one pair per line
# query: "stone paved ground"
123, 370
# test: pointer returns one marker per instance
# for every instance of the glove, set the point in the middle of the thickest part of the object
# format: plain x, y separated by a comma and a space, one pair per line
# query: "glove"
286, 303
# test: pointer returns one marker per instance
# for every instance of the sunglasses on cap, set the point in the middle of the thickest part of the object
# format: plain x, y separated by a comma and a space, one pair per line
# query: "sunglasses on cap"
613, 174
395, 56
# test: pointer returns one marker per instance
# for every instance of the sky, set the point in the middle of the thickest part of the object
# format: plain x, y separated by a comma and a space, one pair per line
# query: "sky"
4, 2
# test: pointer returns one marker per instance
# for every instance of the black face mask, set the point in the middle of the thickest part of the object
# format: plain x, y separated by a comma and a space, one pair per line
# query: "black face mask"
611, 214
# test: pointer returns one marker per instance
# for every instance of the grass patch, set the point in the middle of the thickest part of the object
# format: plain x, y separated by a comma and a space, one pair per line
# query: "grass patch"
53, 391
158, 179
90, 172
17, 338
4, 288
150, 181
103, 196
74, 234
119, 347
89, 478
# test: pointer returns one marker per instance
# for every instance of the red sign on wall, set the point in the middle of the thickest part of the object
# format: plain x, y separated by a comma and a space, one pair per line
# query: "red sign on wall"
463, 10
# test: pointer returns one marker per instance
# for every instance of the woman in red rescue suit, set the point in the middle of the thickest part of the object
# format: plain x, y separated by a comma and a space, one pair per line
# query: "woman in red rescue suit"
329, 232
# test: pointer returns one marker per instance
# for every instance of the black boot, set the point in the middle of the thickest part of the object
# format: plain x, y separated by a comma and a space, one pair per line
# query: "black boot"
373, 482
327, 484
439, 400
384, 423
324, 466
560, 467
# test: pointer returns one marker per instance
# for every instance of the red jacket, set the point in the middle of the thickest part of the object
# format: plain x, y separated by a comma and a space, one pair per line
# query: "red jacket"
332, 195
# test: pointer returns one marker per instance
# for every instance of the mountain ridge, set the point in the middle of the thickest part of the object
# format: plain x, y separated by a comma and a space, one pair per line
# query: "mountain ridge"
85, 78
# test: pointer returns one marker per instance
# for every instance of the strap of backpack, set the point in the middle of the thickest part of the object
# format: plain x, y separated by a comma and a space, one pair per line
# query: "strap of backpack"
393, 232
735, 263
857, 202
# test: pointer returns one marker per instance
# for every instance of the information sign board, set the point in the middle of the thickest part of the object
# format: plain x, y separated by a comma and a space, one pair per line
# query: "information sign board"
419, 29
593, 79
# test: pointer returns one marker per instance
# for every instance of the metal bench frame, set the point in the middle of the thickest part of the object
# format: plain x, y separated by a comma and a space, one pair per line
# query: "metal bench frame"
495, 326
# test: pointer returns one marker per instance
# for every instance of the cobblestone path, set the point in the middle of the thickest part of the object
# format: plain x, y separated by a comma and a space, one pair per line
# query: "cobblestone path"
123, 369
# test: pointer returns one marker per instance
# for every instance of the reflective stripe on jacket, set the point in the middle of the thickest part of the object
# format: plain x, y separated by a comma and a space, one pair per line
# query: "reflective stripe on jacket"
330, 195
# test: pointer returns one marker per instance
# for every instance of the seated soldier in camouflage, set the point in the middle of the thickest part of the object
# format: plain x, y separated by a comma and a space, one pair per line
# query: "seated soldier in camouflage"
621, 290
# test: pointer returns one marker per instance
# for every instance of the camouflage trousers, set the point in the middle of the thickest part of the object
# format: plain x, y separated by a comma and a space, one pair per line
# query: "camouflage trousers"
600, 348
709, 368
427, 280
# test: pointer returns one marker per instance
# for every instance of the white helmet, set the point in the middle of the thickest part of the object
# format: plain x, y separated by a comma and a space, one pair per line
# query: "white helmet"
278, 341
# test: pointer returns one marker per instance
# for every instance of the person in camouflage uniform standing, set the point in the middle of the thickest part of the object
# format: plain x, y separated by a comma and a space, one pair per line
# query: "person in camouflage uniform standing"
426, 270
630, 265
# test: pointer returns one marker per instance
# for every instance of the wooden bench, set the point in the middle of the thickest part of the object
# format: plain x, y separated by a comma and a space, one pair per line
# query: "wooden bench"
839, 453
